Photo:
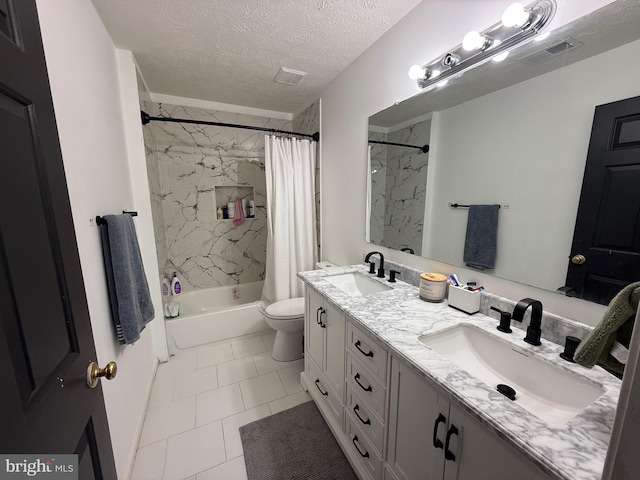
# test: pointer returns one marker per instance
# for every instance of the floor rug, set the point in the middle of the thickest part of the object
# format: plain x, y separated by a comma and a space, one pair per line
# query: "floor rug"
293, 444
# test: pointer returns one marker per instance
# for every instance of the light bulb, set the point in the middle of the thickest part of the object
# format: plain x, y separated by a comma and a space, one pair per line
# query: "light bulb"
435, 73
542, 36
416, 72
501, 56
515, 15
473, 41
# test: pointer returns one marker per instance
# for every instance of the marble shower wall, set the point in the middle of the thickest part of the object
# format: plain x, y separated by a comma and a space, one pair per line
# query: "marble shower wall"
309, 122
378, 187
153, 174
193, 160
399, 187
406, 188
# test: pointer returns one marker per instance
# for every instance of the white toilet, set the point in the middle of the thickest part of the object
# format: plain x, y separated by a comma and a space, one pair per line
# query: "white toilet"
286, 317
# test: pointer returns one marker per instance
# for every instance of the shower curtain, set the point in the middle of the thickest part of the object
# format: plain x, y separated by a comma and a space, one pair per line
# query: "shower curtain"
291, 226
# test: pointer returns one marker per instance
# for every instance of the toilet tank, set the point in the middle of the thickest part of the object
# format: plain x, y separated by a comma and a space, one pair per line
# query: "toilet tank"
321, 265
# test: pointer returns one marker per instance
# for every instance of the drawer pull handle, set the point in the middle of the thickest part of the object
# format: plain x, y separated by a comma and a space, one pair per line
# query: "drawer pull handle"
323, 312
355, 444
366, 389
325, 393
356, 409
436, 442
318, 315
366, 354
448, 454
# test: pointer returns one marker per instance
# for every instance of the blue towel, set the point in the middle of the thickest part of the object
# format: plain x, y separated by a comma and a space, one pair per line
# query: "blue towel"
131, 307
481, 240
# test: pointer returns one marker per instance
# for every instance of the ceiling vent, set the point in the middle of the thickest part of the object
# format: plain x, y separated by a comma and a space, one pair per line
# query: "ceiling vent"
289, 76
551, 51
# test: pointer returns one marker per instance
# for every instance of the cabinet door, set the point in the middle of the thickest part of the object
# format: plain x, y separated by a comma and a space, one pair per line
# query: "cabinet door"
335, 347
417, 427
475, 454
314, 332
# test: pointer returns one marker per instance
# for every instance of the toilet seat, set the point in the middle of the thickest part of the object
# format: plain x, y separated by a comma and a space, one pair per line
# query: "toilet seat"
286, 309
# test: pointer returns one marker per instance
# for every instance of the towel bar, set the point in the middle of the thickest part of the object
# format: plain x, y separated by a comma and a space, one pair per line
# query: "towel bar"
459, 205
102, 221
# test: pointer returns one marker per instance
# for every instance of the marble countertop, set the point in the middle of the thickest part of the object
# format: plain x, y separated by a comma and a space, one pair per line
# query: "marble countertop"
397, 317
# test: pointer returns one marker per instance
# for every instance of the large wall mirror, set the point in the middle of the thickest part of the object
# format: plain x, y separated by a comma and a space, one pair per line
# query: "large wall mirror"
515, 134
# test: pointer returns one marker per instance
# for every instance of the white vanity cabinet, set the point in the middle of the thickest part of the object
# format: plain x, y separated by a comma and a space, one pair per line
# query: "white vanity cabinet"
430, 439
366, 401
390, 421
325, 352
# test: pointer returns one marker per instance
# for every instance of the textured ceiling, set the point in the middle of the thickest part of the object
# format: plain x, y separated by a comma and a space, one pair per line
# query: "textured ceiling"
228, 51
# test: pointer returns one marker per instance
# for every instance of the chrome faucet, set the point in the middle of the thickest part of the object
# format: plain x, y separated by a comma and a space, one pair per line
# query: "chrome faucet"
380, 265
534, 329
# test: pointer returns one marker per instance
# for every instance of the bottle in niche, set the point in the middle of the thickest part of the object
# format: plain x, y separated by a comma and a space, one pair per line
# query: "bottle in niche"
219, 213
252, 209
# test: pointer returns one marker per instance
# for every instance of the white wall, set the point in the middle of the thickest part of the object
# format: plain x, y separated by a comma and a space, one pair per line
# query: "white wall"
524, 146
130, 102
83, 73
377, 79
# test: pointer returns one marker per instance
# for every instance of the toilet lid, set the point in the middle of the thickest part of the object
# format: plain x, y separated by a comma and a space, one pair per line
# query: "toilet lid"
294, 307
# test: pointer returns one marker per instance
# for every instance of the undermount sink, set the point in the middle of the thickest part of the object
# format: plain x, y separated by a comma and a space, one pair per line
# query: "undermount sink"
547, 391
355, 284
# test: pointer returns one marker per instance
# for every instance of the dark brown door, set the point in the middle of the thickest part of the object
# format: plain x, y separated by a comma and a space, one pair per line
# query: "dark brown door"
605, 255
46, 342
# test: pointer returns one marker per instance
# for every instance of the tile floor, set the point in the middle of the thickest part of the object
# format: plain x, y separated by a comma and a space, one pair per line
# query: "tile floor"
199, 400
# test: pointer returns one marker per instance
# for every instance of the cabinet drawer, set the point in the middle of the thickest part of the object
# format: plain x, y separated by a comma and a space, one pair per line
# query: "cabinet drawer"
323, 391
366, 385
362, 449
363, 416
368, 352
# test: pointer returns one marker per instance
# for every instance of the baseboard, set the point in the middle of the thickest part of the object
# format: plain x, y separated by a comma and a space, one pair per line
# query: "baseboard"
140, 423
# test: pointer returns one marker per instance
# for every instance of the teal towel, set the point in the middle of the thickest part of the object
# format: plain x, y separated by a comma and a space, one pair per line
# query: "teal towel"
616, 326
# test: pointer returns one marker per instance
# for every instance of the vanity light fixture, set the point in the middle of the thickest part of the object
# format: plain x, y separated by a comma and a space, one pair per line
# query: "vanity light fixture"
515, 15
542, 37
519, 25
474, 41
501, 56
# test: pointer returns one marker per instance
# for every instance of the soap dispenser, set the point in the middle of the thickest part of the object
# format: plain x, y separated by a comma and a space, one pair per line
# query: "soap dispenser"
176, 289
176, 286
505, 320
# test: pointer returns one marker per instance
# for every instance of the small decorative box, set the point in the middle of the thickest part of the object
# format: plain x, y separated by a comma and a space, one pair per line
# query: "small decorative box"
465, 300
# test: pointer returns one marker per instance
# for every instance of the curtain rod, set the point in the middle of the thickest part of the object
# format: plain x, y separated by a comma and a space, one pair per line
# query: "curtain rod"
146, 118
424, 148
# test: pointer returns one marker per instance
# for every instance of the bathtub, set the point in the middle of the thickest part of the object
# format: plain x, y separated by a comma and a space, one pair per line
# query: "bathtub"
216, 314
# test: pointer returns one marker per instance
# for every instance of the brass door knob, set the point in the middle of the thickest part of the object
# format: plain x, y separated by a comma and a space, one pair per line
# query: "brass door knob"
578, 259
94, 373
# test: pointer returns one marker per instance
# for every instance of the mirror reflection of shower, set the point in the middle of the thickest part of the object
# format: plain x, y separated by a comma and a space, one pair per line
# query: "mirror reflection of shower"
396, 202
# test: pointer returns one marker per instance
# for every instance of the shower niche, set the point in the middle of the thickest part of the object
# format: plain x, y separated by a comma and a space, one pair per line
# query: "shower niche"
228, 194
